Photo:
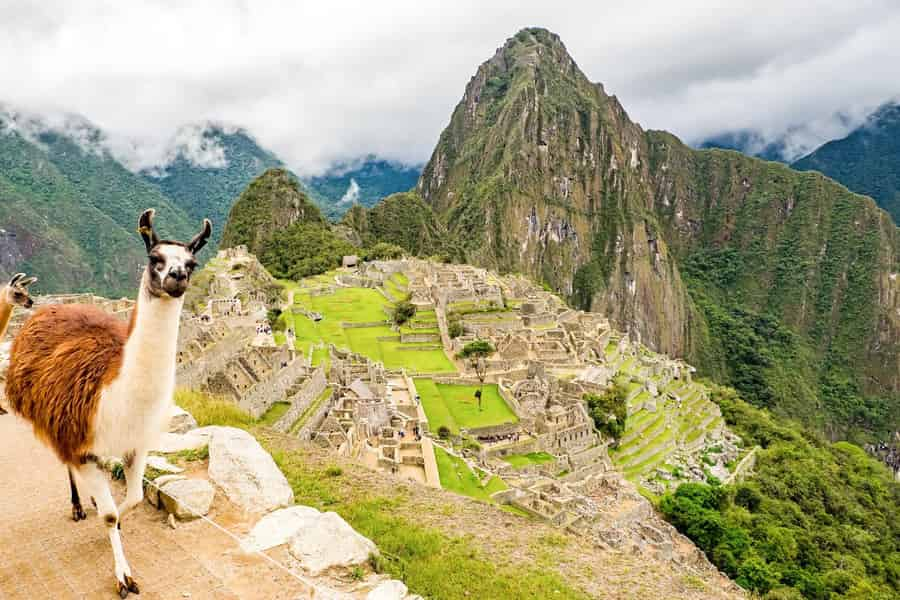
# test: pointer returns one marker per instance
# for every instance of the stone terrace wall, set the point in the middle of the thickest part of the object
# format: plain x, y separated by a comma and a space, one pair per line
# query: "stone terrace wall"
265, 393
307, 394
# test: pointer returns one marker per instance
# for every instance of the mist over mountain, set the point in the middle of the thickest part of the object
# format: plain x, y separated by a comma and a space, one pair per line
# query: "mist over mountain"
207, 167
867, 160
364, 181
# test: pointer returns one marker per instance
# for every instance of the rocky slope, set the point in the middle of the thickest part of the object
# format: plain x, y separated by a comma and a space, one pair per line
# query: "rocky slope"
778, 282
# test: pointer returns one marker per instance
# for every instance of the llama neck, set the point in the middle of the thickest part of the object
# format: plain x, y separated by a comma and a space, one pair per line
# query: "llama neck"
153, 339
5, 312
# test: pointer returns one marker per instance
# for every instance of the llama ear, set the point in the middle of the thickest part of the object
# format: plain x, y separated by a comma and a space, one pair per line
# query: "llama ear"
145, 228
26, 282
16, 278
201, 238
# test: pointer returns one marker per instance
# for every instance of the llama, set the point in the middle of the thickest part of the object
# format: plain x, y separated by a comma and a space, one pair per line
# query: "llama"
12, 294
92, 385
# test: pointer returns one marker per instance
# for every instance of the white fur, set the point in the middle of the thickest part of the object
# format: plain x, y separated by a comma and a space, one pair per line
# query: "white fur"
134, 407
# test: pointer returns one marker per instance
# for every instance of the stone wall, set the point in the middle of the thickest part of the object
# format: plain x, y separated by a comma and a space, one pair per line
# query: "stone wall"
309, 390
265, 393
315, 420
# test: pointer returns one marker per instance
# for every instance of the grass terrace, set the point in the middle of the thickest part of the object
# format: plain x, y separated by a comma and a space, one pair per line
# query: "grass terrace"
455, 407
532, 458
456, 476
377, 341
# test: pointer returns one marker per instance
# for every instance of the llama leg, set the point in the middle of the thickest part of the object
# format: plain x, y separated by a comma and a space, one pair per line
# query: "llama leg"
94, 482
77, 511
135, 464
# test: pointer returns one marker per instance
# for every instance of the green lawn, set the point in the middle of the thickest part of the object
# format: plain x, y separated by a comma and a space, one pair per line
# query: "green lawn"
532, 458
454, 406
456, 476
275, 412
361, 305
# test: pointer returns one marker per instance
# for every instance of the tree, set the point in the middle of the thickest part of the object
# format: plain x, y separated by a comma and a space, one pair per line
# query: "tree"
609, 410
404, 311
476, 352
384, 251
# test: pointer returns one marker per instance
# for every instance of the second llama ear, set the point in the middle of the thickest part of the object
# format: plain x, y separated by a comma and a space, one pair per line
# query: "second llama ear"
201, 238
145, 228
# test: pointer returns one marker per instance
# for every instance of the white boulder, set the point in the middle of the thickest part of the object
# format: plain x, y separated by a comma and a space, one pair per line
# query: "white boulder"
246, 472
161, 464
180, 420
188, 498
388, 590
176, 442
278, 527
151, 492
327, 541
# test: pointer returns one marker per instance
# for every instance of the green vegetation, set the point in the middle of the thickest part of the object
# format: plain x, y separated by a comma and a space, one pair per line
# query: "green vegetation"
374, 177
866, 160
609, 410
68, 214
204, 192
275, 412
359, 306
303, 249
404, 220
476, 349
209, 410
455, 407
272, 202
404, 310
822, 519
531, 458
431, 562
456, 476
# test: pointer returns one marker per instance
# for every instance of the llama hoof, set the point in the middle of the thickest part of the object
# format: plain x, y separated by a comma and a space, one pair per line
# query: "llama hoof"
128, 586
78, 513
132, 585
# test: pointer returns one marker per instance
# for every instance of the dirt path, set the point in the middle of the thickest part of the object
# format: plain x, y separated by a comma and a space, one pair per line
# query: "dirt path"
43, 554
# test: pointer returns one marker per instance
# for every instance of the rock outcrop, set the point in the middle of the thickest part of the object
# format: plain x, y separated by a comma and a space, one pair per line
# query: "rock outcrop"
326, 541
246, 472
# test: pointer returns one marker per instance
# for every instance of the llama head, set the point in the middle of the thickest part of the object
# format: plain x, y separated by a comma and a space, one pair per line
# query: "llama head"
16, 291
170, 264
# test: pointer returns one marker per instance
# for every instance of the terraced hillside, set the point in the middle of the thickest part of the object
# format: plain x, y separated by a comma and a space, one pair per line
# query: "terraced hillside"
357, 318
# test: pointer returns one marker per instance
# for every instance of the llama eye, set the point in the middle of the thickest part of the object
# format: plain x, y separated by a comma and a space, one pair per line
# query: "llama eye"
190, 265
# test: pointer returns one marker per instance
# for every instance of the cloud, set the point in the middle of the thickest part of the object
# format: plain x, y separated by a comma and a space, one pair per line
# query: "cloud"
351, 196
317, 83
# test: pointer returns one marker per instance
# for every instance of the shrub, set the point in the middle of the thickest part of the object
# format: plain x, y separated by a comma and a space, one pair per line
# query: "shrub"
404, 311
444, 432
455, 327
479, 348
384, 251
609, 410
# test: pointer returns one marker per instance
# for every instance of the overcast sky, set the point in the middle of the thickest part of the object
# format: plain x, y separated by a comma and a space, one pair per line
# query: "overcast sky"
320, 81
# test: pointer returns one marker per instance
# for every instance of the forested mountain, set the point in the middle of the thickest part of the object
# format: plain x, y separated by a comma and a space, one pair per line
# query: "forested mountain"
364, 182
207, 188
778, 282
68, 209
867, 161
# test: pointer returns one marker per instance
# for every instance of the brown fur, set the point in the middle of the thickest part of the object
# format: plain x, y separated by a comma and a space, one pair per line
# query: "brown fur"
61, 360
